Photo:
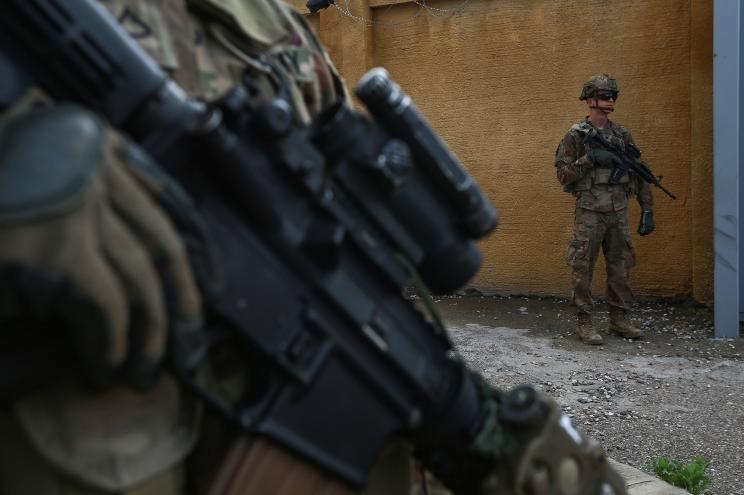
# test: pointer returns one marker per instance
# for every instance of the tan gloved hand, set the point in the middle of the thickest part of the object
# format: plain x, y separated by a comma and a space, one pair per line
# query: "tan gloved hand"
524, 445
584, 164
545, 454
85, 249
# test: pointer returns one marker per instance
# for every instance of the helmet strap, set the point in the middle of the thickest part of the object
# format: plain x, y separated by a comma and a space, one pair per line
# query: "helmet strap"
596, 106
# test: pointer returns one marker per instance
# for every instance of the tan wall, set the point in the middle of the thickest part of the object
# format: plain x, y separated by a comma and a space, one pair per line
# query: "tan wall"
500, 82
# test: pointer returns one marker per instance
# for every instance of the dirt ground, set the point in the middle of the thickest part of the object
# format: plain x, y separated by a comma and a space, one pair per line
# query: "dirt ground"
675, 393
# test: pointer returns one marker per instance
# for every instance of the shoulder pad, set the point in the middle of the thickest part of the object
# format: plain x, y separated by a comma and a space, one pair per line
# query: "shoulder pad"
619, 128
264, 21
582, 127
621, 132
46, 157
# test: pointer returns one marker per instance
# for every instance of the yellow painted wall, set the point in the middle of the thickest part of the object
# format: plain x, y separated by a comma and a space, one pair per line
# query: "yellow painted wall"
500, 82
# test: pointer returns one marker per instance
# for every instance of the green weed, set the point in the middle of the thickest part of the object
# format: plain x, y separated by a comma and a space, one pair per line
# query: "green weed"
690, 476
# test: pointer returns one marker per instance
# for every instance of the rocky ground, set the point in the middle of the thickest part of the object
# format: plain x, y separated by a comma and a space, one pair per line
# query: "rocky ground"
675, 393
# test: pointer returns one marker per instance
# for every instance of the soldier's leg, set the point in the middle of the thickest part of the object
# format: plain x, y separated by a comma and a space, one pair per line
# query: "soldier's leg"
619, 259
582, 257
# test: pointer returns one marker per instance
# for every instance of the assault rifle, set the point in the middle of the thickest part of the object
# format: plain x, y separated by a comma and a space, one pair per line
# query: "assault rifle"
319, 230
630, 160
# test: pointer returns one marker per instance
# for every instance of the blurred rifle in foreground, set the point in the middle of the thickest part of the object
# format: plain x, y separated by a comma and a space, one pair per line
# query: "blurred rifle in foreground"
319, 230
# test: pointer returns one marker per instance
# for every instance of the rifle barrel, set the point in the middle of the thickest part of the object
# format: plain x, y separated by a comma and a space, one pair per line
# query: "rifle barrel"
669, 193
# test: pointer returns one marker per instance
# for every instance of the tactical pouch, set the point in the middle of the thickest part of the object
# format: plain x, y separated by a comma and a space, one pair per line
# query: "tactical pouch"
601, 175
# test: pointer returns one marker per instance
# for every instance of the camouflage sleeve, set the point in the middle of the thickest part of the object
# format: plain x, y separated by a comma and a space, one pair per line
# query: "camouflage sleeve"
570, 161
645, 197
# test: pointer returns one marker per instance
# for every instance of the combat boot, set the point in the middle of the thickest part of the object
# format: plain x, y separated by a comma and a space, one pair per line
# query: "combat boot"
585, 330
620, 325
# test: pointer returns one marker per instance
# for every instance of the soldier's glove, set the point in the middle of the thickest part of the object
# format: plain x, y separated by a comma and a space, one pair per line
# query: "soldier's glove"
86, 246
603, 158
544, 454
647, 224
524, 446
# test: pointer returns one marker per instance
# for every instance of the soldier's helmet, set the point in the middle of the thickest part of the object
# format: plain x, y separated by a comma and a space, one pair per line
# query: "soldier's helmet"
596, 83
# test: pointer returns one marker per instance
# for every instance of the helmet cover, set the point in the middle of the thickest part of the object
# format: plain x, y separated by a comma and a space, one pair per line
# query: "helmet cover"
598, 82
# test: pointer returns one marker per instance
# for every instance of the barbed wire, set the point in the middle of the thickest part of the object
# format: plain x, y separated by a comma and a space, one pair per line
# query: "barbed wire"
423, 6
440, 12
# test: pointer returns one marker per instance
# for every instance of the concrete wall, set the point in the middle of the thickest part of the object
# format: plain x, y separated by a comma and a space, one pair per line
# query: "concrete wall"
500, 81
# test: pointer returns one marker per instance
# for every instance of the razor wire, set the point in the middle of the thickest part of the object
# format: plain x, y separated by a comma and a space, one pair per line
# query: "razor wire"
423, 7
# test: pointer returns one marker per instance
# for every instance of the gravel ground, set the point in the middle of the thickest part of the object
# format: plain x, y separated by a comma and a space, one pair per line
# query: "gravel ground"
675, 393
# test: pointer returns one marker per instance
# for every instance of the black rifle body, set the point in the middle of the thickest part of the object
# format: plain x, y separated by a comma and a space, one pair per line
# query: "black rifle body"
316, 236
630, 159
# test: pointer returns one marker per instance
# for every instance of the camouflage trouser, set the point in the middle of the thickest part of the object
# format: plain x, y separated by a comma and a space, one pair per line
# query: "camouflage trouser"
611, 231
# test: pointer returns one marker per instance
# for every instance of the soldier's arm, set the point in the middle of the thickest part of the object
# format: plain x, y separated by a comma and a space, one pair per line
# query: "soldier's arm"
645, 197
570, 165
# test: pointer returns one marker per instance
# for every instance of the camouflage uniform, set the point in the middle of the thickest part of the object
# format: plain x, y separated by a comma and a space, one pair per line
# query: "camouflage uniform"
65, 439
601, 217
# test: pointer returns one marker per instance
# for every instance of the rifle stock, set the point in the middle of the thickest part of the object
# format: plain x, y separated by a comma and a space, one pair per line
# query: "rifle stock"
257, 466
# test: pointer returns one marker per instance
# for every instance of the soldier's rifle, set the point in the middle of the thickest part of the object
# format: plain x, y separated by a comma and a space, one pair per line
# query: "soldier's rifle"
630, 160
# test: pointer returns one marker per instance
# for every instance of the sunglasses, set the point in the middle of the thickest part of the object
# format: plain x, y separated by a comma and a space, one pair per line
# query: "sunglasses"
606, 95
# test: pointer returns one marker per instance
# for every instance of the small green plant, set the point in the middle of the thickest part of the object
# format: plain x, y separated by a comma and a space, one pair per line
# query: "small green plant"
690, 476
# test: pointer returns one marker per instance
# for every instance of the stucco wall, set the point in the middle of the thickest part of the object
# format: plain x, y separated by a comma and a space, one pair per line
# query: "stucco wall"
500, 81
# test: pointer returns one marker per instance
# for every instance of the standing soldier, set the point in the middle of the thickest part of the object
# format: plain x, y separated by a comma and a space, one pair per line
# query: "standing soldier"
601, 214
